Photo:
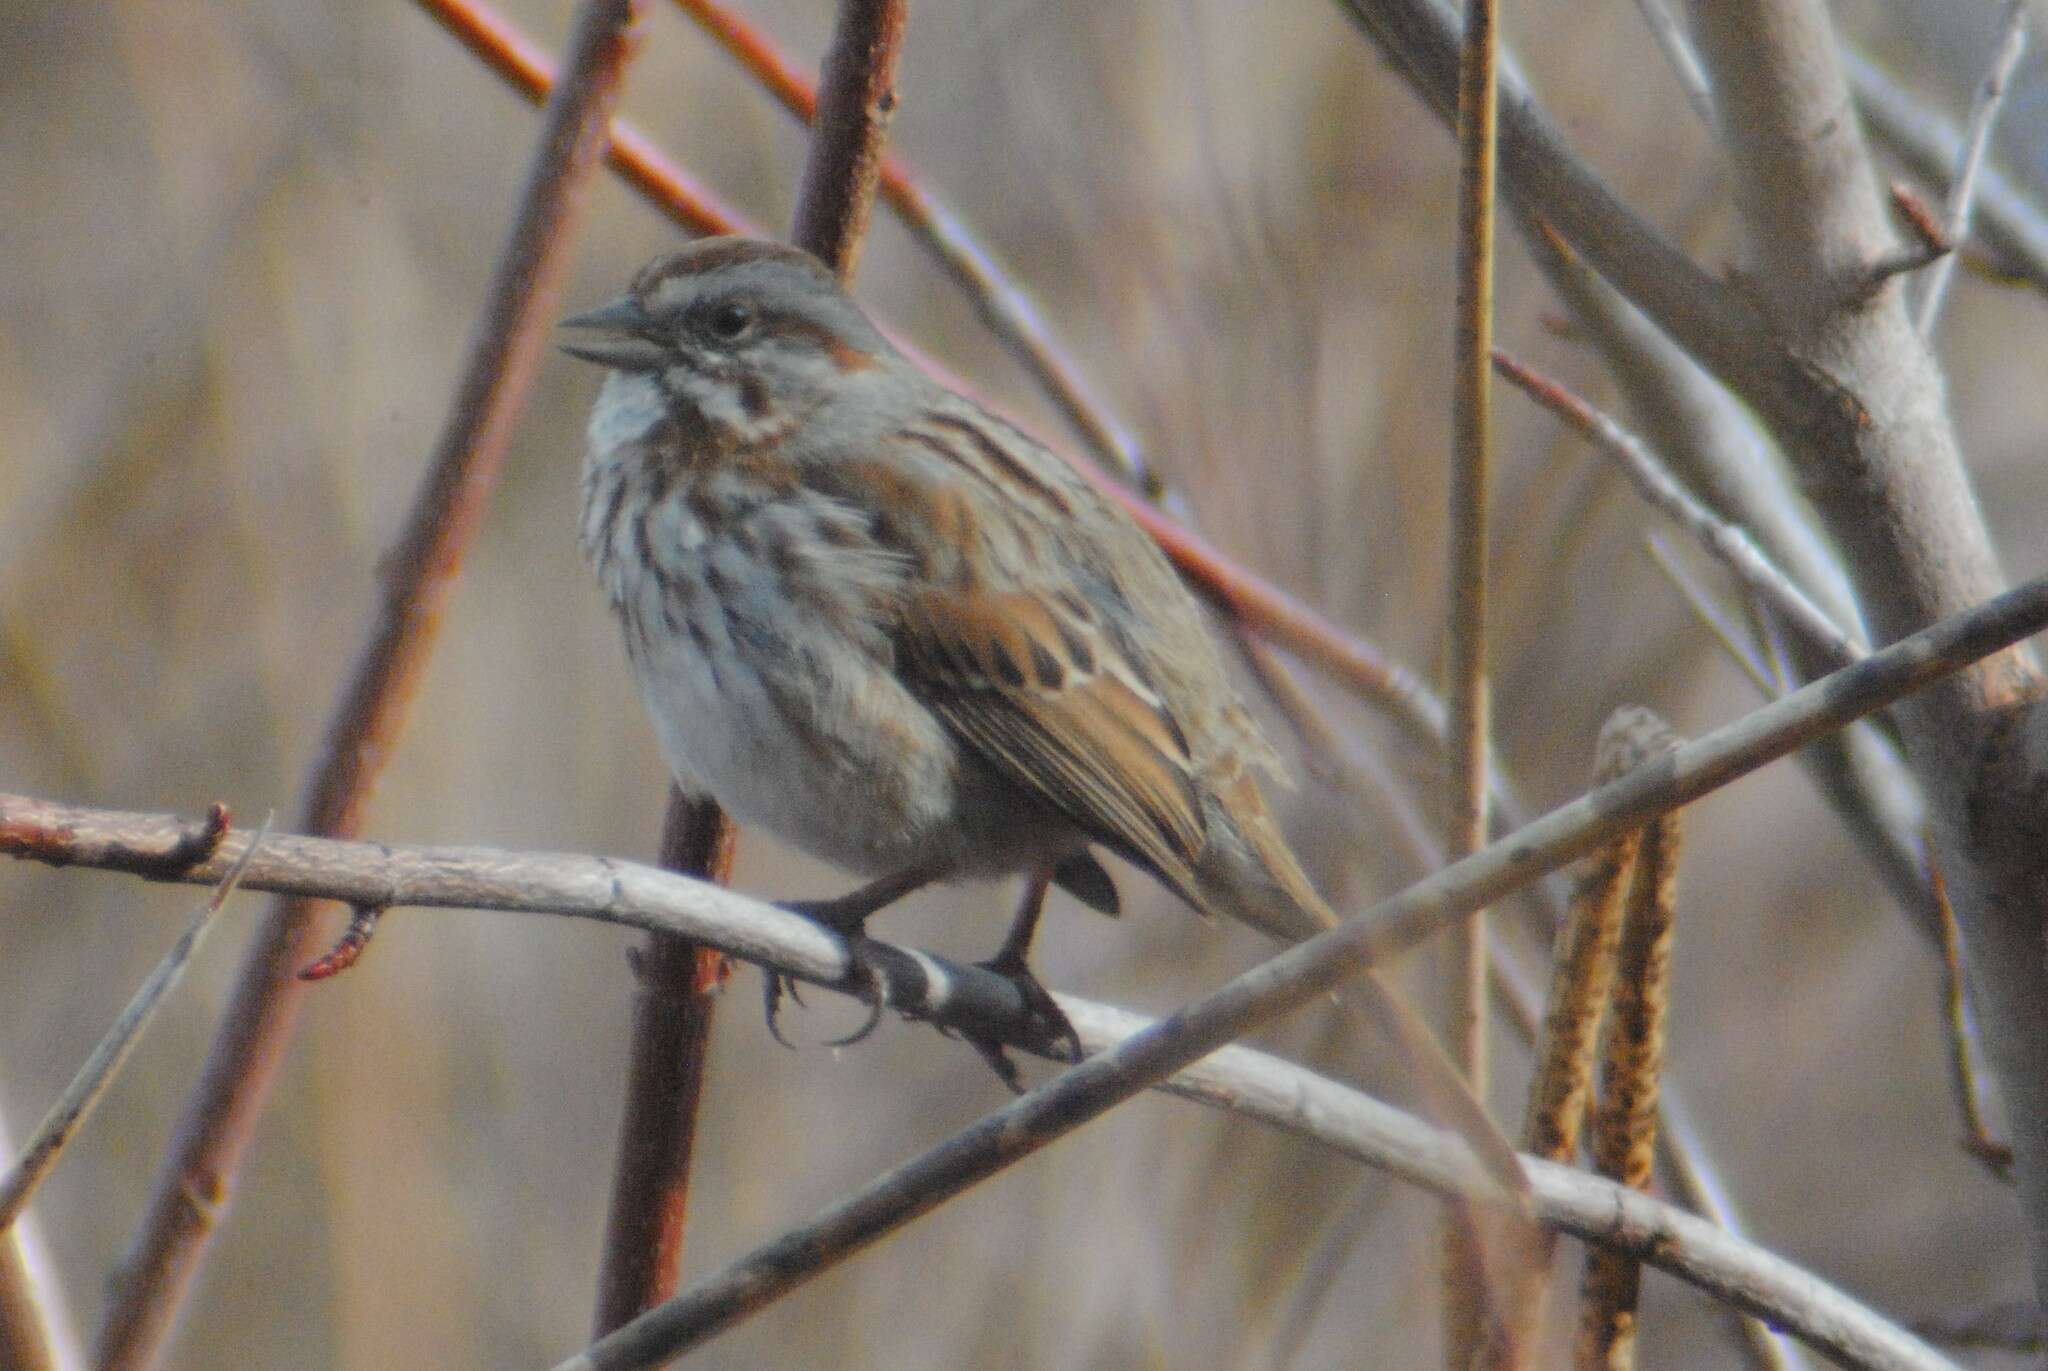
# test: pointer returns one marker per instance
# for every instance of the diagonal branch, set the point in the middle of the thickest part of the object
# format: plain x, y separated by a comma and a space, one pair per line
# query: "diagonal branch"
522, 64
1728, 542
18, 1184
1550, 183
1312, 968
1291, 1098
220, 1120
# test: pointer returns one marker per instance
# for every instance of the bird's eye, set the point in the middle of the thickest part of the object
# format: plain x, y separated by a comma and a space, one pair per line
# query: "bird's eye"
729, 322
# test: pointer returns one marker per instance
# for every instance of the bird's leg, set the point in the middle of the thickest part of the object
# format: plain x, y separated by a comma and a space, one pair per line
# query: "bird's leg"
1014, 956
849, 912
1012, 963
846, 915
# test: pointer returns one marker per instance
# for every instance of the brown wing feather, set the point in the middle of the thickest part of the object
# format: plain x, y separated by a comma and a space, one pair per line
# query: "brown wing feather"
1054, 705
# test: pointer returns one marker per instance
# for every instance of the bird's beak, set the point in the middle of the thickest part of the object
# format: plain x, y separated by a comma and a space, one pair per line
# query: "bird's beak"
623, 337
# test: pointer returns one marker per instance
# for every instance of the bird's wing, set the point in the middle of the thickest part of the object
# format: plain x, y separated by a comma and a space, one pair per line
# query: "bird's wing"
1033, 683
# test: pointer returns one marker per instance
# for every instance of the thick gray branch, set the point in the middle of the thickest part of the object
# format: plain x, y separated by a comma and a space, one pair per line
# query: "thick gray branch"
1884, 469
1824, 352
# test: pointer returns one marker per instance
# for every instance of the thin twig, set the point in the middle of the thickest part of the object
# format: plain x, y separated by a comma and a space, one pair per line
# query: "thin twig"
1978, 1139
1714, 443
1726, 541
1962, 191
1004, 306
1468, 692
46, 1145
2007, 218
1927, 242
1470, 1315
1550, 183
369, 717
1733, 639
1310, 969
1685, 63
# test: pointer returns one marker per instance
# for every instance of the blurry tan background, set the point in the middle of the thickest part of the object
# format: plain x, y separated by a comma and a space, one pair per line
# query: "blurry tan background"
240, 249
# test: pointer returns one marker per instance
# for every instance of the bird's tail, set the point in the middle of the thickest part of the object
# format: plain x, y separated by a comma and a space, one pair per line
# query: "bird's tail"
1249, 873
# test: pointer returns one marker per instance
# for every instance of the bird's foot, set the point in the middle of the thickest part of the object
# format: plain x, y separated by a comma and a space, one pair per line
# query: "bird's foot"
845, 916
1046, 1022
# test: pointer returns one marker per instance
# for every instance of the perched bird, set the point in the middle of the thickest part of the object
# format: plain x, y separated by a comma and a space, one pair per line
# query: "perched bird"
879, 622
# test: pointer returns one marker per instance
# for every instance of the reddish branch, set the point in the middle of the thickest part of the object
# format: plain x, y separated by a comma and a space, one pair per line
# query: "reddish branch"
521, 63
856, 96
680, 979
199, 1176
671, 1043
1004, 307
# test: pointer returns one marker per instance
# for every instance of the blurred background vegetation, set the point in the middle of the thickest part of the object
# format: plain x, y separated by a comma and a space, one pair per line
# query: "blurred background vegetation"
240, 248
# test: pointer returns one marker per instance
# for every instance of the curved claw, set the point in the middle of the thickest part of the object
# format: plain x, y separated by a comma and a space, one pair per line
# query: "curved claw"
874, 1018
878, 982
771, 996
998, 1061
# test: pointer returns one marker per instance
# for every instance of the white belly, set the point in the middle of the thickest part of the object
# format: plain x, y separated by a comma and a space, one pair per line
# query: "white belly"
761, 650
